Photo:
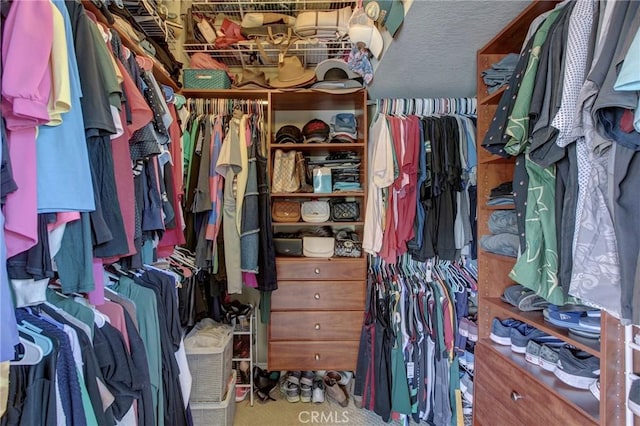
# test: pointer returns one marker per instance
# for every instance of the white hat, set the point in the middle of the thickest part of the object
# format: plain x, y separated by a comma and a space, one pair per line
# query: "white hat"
369, 35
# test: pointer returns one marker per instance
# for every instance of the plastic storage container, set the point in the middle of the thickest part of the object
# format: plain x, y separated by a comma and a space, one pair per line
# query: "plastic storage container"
210, 365
216, 414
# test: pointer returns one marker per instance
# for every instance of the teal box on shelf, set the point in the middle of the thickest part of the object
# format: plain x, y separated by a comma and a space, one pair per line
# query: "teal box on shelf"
205, 79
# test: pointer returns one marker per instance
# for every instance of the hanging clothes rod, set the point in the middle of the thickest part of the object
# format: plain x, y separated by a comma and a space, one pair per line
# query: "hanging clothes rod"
425, 106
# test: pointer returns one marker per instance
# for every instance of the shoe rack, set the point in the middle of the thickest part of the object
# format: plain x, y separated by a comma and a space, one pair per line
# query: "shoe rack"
508, 390
245, 329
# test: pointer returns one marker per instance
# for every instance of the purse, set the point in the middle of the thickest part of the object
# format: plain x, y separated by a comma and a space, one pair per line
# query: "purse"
348, 244
285, 211
318, 246
344, 211
284, 178
287, 245
315, 211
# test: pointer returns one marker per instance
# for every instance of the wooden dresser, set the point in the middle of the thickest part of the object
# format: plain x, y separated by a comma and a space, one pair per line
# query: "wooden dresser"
316, 314
318, 308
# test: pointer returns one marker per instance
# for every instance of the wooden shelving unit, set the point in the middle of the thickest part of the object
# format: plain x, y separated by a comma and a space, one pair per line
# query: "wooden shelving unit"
508, 389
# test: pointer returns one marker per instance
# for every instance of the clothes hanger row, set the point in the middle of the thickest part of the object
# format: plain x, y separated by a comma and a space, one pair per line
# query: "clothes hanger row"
223, 106
460, 275
403, 107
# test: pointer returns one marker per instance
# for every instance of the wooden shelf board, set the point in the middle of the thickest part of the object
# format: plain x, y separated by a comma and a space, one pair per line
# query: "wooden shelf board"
316, 146
226, 93
493, 98
317, 195
497, 257
299, 224
503, 207
495, 159
536, 319
582, 400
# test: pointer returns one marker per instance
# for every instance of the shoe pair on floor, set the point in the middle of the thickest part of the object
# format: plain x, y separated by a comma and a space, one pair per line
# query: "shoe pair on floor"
307, 386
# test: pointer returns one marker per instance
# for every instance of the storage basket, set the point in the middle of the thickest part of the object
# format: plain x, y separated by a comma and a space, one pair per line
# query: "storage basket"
216, 414
205, 79
211, 369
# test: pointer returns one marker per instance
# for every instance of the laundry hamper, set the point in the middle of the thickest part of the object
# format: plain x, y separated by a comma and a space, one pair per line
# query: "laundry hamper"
216, 413
210, 364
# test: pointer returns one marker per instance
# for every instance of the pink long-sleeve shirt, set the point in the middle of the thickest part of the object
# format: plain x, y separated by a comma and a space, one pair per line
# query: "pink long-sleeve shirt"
27, 39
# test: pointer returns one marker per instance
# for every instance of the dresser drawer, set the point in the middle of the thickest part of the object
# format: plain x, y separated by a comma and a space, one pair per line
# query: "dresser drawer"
328, 355
503, 386
319, 325
321, 269
320, 295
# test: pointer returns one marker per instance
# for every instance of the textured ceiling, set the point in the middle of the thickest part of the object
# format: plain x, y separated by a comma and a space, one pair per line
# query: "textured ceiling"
434, 52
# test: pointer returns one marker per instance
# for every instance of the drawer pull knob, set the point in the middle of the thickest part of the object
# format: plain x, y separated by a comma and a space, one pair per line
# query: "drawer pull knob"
317, 270
317, 357
316, 296
317, 326
516, 396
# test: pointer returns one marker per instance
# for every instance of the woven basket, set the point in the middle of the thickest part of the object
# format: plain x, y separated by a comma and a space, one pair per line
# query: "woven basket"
205, 79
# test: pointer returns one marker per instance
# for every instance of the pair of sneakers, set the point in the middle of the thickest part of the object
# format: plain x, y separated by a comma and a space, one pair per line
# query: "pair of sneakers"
297, 386
517, 334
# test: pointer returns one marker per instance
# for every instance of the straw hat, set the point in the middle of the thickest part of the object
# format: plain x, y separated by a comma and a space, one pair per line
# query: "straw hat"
291, 73
253, 78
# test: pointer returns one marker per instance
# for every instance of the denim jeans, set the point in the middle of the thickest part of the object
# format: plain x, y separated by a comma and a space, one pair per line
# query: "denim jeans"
503, 221
503, 244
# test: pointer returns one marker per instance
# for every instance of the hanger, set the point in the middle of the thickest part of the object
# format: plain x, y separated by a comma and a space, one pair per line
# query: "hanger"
38, 338
32, 354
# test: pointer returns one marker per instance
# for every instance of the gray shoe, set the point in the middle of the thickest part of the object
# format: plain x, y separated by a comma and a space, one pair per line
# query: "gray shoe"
306, 386
577, 368
532, 353
318, 390
548, 357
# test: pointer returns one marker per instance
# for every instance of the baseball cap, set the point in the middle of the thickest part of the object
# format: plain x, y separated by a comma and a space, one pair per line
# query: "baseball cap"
369, 35
315, 130
288, 134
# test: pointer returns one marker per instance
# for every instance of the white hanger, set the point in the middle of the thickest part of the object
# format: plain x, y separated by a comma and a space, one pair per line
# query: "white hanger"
43, 342
33, 353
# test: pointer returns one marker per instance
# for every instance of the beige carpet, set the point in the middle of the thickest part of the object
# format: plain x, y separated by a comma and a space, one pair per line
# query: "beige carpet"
283, 413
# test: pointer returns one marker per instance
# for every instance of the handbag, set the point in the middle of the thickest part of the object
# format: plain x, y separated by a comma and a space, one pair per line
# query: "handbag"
287, 245
285, 178
315, 211
344, 211
318, 246
285, 211
348, 244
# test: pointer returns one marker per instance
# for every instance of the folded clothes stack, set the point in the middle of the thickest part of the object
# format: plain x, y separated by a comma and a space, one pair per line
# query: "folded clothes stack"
501, 195
500, 72
504, 239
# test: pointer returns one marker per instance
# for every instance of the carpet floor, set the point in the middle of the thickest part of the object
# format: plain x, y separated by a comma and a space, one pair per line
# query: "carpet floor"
283, 413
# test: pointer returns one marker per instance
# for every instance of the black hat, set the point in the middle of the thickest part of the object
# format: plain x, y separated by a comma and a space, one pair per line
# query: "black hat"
315, 131
288, 133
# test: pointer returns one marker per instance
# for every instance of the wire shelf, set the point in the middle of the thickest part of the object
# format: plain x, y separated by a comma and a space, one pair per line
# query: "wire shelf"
247, 54
235, 9
310, 50
149, 20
